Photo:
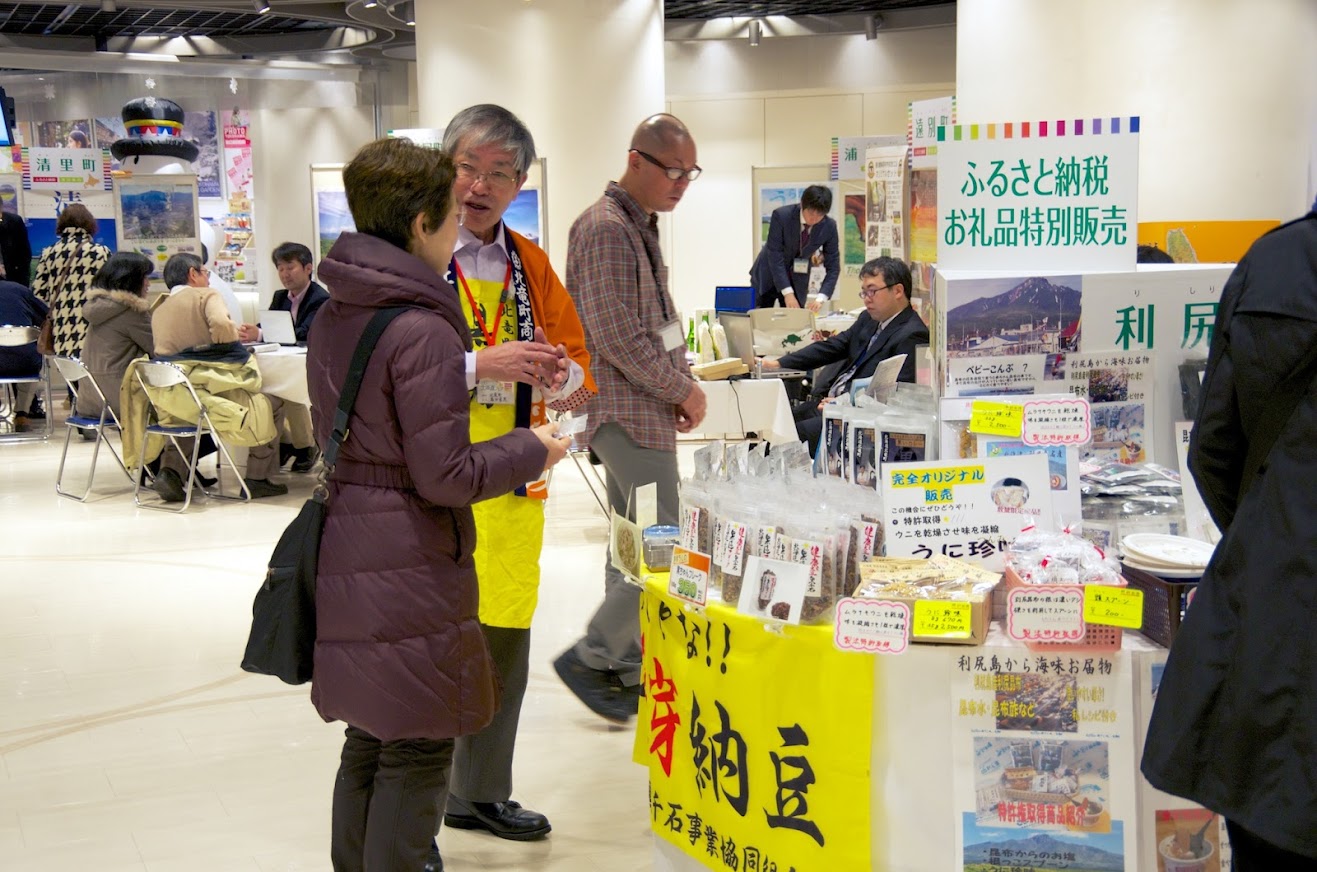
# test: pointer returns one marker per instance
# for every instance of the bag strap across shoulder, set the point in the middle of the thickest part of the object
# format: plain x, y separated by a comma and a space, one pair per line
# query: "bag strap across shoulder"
356, 370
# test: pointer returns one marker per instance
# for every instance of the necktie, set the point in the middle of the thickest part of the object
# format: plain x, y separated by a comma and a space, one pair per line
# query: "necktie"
804, 236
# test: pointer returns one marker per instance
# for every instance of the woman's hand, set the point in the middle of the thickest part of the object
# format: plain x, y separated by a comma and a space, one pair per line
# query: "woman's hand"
556, 445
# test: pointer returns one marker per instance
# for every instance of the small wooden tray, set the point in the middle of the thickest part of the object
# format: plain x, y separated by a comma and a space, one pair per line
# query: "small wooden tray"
720, 369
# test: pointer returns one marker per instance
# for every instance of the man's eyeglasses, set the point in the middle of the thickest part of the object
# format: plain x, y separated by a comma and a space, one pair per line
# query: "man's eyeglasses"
494, 179
866, 293
202, 270
673, 173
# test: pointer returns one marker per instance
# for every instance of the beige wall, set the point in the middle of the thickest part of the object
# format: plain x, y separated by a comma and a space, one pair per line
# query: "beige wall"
832, 86
1226, 91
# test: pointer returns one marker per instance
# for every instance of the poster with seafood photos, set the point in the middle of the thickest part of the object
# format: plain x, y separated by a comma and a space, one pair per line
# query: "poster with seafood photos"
1044, 757
1119, 389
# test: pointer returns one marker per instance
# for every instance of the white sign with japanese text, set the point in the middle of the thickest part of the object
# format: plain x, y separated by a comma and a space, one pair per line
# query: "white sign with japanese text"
1119, 388
872, 626
1060, 195
1168, 311
885, 202
967, 509
851, 152
1197, 521
66, 169
1045, 613
1057, 422
924, 118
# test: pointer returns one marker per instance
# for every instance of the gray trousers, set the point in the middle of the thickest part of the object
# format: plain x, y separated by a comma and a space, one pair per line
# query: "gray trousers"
482, 763
612, 639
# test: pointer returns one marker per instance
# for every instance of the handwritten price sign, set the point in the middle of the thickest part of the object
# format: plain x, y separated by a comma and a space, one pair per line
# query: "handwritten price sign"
873, 626
1046, 613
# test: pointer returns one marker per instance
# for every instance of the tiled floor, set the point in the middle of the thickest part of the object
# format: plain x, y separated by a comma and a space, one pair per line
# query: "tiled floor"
131, 741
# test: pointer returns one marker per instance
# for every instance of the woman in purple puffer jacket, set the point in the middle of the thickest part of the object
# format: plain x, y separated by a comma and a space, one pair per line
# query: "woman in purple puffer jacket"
400, 656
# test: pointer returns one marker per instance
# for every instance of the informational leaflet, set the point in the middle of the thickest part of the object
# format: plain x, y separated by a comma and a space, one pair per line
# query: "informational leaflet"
237, 162
1119, 388
1045, 775
884, 224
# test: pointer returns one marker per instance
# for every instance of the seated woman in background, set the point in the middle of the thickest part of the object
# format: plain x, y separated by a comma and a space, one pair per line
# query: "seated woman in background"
19, 307
118, 320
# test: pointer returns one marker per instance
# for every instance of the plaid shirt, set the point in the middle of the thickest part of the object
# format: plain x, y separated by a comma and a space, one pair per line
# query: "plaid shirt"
616, 275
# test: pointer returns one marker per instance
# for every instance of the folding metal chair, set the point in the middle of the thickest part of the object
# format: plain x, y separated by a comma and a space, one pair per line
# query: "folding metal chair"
160, 376
12, 337
576, 454
72, 371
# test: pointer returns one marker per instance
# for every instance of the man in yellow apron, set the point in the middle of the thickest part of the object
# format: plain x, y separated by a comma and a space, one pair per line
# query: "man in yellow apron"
530, 355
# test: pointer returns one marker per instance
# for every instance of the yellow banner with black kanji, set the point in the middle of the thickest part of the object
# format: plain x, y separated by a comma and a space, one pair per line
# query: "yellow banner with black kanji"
757, 744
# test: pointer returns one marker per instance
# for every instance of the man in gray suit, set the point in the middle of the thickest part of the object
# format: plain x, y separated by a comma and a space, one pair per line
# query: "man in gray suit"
802, 250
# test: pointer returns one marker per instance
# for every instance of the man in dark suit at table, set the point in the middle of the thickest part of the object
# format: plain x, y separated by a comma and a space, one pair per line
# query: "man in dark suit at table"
303, 298
888, 327
802, 240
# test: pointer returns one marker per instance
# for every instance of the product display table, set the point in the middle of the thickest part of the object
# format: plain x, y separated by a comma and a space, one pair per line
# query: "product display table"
283, 374
944, 752
757, 406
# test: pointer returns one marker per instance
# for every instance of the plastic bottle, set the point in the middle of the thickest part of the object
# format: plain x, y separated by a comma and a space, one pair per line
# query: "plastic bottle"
690, 336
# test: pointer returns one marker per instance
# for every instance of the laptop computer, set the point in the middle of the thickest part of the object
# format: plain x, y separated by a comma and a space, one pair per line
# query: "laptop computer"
277, 326
741, 343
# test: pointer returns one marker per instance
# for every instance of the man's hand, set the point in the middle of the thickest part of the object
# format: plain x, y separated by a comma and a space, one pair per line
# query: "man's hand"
690, 411
531, 363
769, 363
555, 378
249, 333
790, 301
814, 305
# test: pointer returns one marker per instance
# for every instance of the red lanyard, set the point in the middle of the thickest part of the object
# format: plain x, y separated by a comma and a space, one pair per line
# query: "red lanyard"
490, 335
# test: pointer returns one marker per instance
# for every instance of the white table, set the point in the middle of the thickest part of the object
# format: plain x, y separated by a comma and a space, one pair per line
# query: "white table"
283, 374
748, 406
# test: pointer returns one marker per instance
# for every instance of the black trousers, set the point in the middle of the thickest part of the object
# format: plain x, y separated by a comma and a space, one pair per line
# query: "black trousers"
1250, 853
387, 800
809, 421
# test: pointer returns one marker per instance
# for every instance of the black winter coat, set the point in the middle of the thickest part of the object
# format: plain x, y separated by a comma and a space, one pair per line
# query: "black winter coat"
1235, 723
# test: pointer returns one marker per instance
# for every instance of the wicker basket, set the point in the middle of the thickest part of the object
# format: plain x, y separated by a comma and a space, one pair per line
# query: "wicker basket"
1097, 637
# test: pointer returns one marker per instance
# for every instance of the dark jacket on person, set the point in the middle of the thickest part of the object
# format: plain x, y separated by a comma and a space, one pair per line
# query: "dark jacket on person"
19, 307
313, 298
399, 649
1235, 722
15, 249
863, 344
774, 269
118, 331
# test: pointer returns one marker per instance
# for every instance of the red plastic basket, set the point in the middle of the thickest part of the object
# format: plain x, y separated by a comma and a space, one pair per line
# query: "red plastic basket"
1097, 637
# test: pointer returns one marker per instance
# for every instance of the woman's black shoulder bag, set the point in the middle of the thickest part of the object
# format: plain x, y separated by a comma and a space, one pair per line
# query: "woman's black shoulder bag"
283, 635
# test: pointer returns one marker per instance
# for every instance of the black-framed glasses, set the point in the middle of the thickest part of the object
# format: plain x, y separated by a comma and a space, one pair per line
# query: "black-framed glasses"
866, 293
494, 179
673, 173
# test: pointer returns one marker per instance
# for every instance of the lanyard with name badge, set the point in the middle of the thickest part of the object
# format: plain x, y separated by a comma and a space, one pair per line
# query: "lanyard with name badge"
489, 391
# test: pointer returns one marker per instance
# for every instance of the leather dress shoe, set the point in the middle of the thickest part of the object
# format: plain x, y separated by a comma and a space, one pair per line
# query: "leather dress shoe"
507, 820
434, 863
169, 485
305, 458
259, 488
601, 691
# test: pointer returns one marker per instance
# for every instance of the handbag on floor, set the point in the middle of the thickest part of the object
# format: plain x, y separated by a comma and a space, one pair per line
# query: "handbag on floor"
283, 634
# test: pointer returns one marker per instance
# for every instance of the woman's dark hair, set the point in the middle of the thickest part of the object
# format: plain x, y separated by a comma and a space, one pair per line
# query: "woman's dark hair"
391, 181
125, 271
75, 215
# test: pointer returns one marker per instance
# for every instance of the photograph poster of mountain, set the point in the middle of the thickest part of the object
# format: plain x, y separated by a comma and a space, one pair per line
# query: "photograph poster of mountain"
1044, 762
157, 216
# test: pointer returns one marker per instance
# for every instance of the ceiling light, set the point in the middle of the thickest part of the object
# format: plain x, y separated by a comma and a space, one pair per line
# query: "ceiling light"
872, 24
755, 32
261, 6
109, 6
407, 12
370, 4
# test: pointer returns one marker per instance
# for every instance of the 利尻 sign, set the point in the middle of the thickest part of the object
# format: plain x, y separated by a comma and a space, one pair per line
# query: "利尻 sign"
872, 626
1045, 613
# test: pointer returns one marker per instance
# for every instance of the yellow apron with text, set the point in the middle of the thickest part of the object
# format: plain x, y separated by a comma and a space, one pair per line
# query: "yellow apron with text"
509, 528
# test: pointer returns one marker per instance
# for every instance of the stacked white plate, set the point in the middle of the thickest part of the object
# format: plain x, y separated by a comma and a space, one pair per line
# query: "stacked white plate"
1166, 556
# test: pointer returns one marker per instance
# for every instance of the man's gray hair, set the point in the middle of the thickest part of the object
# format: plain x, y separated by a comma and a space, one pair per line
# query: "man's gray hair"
177, 268
487, 124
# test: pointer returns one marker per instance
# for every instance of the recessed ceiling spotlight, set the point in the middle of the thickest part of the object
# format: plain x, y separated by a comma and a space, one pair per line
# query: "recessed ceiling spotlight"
755, 32
260, 6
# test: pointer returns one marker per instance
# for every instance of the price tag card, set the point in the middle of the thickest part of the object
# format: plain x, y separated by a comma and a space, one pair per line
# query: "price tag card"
1046, 613
1057, 422
943, 619
873, 626
1113, 606
996, 419
688, 578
